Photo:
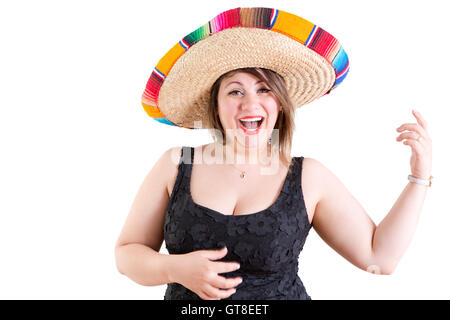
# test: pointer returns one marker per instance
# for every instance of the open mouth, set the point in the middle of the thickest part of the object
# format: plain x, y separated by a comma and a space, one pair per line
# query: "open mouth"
251, 125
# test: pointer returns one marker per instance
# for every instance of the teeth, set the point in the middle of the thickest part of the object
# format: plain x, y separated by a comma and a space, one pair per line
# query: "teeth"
251, 119
251, 124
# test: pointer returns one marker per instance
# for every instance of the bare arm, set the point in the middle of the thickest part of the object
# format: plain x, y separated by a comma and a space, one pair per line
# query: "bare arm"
143, 265
341, 221
137, 249
395, 232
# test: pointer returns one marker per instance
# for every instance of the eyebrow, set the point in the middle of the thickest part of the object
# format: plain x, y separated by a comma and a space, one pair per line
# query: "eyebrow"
241, 83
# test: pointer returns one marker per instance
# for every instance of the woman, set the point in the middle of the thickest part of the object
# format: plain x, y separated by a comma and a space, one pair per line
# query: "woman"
235, 213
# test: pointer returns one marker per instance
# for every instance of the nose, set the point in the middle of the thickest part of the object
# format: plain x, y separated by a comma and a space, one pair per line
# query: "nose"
250, 102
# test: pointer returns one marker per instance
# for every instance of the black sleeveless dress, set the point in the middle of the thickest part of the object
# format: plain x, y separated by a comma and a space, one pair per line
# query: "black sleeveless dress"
266, 244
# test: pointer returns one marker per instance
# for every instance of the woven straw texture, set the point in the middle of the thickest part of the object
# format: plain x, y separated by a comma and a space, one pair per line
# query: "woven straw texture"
310, 60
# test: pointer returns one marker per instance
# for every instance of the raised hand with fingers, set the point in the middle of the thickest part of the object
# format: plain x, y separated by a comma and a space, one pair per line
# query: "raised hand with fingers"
416, 136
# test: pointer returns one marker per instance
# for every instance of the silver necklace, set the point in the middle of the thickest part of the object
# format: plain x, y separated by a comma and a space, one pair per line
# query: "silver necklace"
243, 173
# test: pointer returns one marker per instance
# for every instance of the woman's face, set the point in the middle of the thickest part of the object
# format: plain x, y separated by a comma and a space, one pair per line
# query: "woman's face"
247, 109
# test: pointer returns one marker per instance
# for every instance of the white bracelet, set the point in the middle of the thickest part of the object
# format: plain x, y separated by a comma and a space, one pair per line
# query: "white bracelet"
420, 181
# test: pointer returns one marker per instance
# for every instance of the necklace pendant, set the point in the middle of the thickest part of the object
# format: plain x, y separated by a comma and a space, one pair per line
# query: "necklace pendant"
242, 174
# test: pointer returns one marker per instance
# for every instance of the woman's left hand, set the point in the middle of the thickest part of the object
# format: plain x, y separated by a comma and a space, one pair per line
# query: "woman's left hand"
418, 138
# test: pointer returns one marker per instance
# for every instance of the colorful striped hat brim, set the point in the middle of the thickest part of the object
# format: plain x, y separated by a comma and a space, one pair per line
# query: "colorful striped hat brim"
309, 59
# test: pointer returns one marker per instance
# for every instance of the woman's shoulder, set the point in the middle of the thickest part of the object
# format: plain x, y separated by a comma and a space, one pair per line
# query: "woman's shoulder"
313, 170
317, 176
171, 157
313, 164
312, 182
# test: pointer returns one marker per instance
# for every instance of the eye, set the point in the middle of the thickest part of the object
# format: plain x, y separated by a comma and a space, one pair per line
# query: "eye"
234, 92
264, 90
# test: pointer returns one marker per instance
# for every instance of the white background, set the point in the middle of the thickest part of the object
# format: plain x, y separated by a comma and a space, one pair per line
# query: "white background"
76, 143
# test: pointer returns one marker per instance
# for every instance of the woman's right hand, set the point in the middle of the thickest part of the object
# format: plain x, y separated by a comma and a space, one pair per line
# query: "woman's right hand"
198, 272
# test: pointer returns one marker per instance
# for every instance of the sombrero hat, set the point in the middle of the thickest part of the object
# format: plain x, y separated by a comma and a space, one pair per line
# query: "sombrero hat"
310, 60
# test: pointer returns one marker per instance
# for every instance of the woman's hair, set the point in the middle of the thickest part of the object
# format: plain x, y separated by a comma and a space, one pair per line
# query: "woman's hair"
285, 121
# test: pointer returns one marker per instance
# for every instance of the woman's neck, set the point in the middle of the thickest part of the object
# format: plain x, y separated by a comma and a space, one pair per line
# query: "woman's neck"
237, 154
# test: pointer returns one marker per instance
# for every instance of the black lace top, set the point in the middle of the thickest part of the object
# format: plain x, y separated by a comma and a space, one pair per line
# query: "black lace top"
266, 244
